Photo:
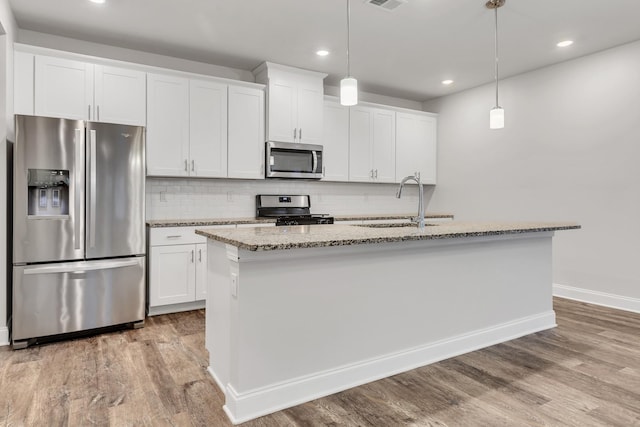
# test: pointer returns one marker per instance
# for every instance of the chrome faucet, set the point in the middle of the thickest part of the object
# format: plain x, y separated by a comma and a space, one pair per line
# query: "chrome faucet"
420, 218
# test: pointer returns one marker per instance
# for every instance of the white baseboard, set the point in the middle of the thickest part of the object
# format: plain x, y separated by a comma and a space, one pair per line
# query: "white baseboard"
175, 308
241, 407
4, 336
598, 298
216, 379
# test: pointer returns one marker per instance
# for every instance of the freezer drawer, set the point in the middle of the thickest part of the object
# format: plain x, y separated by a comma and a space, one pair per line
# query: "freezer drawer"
51, 299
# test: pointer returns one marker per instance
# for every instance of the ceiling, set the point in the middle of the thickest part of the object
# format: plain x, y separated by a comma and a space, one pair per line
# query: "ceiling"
405, 53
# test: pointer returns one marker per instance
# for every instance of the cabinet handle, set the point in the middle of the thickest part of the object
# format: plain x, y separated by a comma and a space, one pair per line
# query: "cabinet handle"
193, 165
324, 170
98, 113
371, 174
294, 133
89, 117
300, 134
192, 251
186, 165
376, 174
199, 255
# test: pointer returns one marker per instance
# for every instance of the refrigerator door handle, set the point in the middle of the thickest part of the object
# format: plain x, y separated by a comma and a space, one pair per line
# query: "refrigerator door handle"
78, 183
81, 267
92, 189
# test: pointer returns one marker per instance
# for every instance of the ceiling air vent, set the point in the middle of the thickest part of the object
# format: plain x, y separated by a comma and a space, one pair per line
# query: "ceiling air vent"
388, 5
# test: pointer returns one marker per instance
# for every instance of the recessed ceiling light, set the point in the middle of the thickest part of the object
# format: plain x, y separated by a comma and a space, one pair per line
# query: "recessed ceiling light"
565, 43
97, 1
447, 82
322, 52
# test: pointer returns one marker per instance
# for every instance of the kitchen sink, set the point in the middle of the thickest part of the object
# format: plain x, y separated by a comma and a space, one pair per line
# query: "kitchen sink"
393, 225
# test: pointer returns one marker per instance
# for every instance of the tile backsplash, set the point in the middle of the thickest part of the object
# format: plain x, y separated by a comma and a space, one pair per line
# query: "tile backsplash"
177, 198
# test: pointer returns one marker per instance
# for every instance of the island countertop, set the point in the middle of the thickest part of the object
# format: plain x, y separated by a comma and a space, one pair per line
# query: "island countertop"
313, 236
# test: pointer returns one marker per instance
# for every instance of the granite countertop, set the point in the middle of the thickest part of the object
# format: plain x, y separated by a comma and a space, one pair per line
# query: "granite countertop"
312, 236
203, 222
372, 217
157, 223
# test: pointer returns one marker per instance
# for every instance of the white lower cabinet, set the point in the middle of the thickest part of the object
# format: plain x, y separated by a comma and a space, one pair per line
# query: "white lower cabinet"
177, 269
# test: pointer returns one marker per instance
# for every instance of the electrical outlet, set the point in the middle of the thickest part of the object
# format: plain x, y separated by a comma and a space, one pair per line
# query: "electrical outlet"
234, 285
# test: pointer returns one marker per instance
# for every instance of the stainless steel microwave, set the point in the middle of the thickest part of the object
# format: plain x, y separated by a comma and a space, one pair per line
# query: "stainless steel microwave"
288, 160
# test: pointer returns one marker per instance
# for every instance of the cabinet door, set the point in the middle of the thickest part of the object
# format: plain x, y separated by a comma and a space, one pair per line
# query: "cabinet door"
360, 139
23, 76
310, 108
416, 146
282, 122
167, 125
63, 88
208, 129
173, 274
335, 140
120, 96
201, 271
245, 147
384, 145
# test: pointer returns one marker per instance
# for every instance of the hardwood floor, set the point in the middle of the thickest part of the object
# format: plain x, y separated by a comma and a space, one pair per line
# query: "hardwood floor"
585, 372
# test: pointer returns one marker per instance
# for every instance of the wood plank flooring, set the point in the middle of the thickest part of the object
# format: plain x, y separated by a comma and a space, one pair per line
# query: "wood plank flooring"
585, 372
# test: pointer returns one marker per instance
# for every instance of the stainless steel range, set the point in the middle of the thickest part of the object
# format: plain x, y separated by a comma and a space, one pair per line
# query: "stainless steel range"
289, 210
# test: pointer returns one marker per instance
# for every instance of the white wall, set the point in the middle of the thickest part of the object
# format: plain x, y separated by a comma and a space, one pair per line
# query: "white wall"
175, 198
570, 151
7, 32
121, 54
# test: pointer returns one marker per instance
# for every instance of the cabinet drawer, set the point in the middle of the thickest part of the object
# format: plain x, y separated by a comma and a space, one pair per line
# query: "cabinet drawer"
174, 236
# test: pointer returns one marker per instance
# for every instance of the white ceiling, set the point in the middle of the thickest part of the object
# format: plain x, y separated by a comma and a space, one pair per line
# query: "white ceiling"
404, 53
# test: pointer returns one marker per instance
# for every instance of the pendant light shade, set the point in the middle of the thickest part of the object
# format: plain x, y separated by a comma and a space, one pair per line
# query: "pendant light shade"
348, 85
496, 115
348, 91
496, 118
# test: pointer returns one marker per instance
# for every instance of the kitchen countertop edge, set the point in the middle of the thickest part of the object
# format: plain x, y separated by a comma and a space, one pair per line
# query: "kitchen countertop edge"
355, 234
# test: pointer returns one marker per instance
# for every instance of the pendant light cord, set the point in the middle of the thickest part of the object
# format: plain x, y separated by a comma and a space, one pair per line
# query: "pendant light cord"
496, 45
348, 37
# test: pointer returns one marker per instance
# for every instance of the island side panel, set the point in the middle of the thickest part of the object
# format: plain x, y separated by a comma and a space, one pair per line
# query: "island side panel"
311, 322
218, 320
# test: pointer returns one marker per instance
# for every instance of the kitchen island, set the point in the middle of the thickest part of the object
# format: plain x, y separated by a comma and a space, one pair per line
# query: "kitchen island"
296, 313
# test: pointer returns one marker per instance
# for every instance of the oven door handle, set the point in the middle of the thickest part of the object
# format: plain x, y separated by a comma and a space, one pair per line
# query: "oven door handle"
314, 166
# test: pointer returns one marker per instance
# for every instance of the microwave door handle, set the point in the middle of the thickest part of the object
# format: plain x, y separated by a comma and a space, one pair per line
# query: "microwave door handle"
315, 161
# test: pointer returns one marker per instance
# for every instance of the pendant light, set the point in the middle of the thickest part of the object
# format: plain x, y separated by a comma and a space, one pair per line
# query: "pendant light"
348, 85
496, 115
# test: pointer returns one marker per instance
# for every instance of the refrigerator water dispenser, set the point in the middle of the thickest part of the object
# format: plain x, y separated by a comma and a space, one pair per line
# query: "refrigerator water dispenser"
48, 193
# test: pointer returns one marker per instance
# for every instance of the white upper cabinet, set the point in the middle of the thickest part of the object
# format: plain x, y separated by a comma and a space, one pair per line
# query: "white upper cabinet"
23, 72
120, 96
372, 144
335, 140
295, 101
416, 146
207, 129
245, 155
83, 91
167, 125
63, 88
204, 128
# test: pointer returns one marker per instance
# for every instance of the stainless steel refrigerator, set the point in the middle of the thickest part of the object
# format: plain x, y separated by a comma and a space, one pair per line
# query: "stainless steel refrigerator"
78, 227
